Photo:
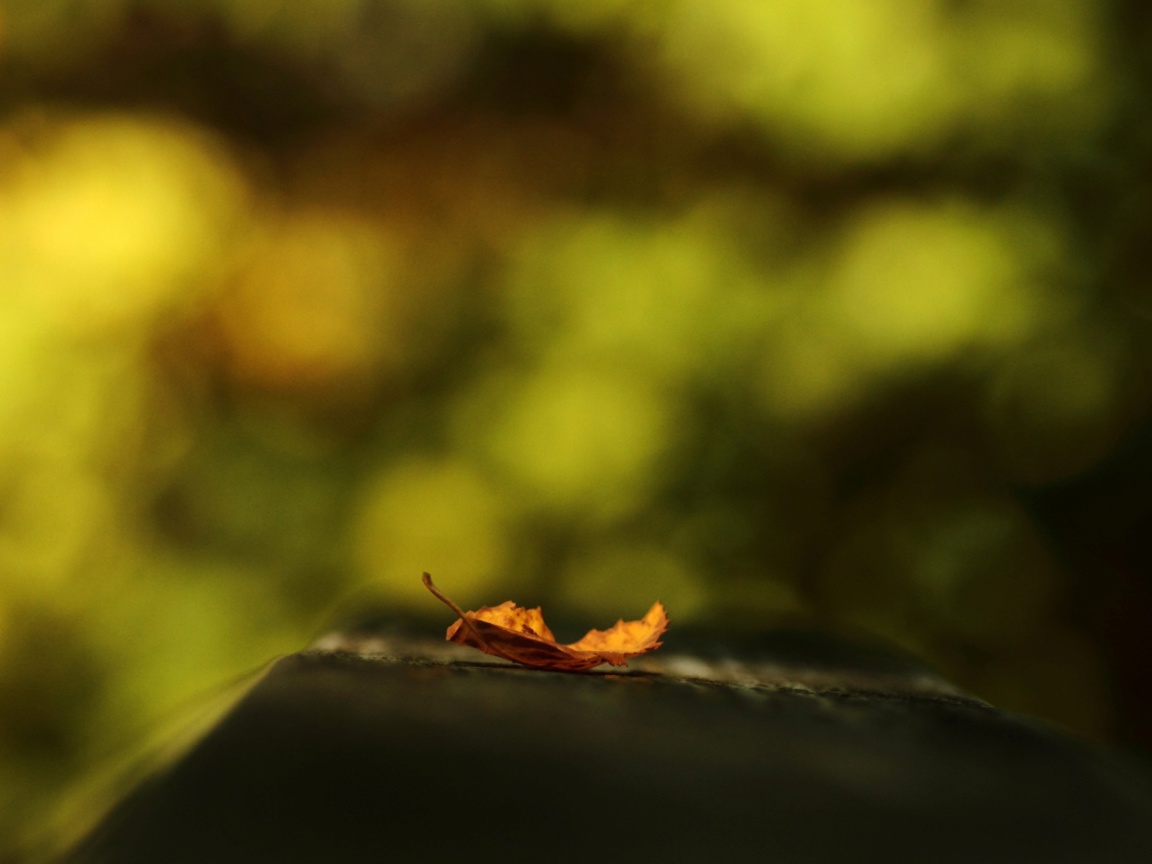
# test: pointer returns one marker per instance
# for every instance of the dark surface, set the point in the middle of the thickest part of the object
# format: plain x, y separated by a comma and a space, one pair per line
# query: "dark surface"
380, 748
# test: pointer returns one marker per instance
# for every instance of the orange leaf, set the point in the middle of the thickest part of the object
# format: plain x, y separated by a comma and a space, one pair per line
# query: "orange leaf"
520, 635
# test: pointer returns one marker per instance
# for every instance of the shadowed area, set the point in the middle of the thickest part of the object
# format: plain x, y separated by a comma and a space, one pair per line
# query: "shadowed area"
381, 745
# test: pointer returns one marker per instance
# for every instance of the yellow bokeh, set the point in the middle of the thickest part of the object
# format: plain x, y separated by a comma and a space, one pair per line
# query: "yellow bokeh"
108, 223
914, 284
853, 78
437, 516
316, 302
1014, 58
657, 297
904, 288
585, 442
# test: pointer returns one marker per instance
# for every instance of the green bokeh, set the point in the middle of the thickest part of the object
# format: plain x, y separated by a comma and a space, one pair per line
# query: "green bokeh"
774, 312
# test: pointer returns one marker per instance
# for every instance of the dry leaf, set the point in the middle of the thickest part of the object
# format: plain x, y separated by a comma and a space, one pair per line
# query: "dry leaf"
520, 635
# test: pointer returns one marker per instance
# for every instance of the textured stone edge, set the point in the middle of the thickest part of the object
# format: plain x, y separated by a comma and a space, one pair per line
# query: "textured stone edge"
674, 668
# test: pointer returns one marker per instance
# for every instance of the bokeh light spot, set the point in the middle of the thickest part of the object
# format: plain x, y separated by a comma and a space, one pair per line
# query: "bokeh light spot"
585, 442
317, 303
915, 285
114, 221
439, 516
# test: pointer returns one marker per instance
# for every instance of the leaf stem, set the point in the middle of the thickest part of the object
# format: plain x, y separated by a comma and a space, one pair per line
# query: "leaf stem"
480, 640
427, 579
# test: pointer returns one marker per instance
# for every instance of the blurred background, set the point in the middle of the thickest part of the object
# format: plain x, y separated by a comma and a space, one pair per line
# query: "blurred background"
813, 310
